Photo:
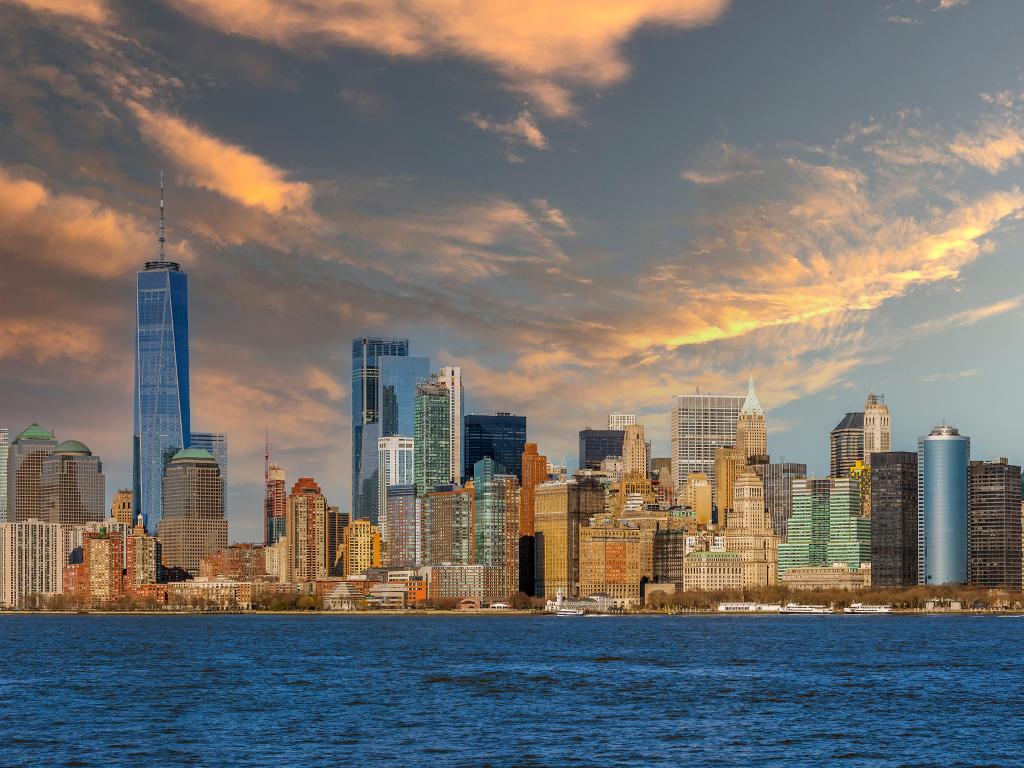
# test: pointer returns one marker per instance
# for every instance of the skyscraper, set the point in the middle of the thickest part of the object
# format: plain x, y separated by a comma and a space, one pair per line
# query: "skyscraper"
621, 420
700, 425
308, 558
366, 357
995, 525
275, 505
496, 522
894, 519
451, 378
501, 437
396, 392
161, 413
25, 472
634, 451
193, 524
877, 427
361, 548
942, 463
447, 520
847, 444
748, 530
751, 429
849, 530
729, 464
807, 542
401, 531
72, 485
598, 444
121, 507
431, 436
535, 472
778, 492
217, 444
4, 450
395, 466
562, 508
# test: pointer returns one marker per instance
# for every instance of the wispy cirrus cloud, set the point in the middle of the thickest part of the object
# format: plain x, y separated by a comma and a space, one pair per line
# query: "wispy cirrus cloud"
520, 130
94, 11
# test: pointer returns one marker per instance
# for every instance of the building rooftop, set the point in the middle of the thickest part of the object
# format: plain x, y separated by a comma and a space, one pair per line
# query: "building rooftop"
35, 432
193, 454
751, 404
851, 421
72, 446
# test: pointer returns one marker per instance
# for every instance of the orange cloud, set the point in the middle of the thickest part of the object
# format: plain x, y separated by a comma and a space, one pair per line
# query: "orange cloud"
993, 149
540, 47
94, 11
214, 164
46, 340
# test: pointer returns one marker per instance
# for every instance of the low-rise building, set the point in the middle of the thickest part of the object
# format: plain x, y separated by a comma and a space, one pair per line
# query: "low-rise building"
242, 562
713, 571
835, 576
448, 580
211, 594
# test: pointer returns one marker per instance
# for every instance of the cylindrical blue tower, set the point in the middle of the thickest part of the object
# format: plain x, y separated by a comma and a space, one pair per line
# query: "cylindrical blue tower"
943, 460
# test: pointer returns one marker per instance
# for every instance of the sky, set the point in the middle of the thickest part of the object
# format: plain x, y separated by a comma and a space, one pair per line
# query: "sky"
590, 206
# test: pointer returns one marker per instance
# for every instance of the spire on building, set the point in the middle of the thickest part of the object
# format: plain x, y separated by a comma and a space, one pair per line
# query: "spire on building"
751, 404
162, 238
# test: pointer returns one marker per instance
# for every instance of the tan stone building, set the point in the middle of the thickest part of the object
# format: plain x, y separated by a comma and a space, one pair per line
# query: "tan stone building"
193, 523
748, 531
615, 560
696, 494
751, 429
361, 548
306, 532
634, 450
121, 507
835, 576
707, 571
562, 507
729, 463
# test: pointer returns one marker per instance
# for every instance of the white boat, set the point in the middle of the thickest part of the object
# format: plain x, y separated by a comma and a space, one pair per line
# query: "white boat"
749, 608
797, 608
568, 612
867, 609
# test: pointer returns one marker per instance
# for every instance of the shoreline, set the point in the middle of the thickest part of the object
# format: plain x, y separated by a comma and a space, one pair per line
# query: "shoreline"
517, 614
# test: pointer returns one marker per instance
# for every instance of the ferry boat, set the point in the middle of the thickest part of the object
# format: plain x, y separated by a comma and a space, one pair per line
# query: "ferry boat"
568, 612
867, 609
749, 608
797, 608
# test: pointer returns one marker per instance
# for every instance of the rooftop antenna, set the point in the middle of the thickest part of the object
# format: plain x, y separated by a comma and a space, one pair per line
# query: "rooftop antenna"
266, 459
162, 238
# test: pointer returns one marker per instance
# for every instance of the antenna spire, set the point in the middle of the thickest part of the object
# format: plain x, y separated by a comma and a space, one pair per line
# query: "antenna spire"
162, 238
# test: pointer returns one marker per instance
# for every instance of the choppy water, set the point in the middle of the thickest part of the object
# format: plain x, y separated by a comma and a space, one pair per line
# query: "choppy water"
510, 691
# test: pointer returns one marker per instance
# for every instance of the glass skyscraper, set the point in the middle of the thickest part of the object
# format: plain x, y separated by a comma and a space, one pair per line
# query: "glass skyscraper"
367, 353
161, 382
501, 437
942, 464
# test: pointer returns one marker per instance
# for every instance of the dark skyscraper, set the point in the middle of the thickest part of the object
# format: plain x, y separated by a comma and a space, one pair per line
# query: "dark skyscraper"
597, 444
995, 526
161, 412
894, 519
847, 442
501, 437
366, 355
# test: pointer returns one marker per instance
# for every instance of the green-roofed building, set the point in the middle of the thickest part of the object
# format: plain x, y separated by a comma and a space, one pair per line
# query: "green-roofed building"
25, 469
73, 487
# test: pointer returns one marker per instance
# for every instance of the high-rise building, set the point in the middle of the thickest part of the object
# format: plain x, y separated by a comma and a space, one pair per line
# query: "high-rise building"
778, 491
32, 558
562, 508
451, 378
847, 444
535, 472
942, 503
621, 420
807, 541
729, 463
893, 519
275, 505
748, 530
501, 437
431, 436
447, 520
217, 444
336, 522
361, 548
395, 466
635, 458
192, 524
72, 485
994, 525
161, 416
367, 354
701, 424
121, 507
598, 444
496, 521
697, 494
616, 560
849, 530
401, 535
306, 531
396, 392
751, 429
877, 428
5, 446
28, 451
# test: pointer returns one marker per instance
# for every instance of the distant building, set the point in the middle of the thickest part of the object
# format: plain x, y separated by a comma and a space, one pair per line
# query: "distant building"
5, 446
894, 518
241, 562
496, 521
598, 444
447, 520
942, 503
701, 424
837, 576
306, 533
361, 547
501, 437
621, 420
696, 494
432, 436
32, 558
121, 507
395, 466
617, 561
748, 530
994, 525
401, 532
192, 524
847, 444
534, 473
451, 379
460, 581
635, 457
877, 427
563, 507
275, 506
713, 571
25, 473
807, 540
729, 464
777, 479
849, 530
72, 485
751, 429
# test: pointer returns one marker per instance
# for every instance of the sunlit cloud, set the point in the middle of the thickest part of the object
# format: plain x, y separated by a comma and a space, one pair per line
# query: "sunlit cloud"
95, 11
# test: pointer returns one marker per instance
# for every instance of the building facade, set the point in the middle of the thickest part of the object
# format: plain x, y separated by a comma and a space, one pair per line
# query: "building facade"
501, 437
5, 446
451, 379
121, 508
32, 558
72, 485
849, 529
807, 541
535, 472
401, 534
563, 507
598, 444
701, 424
751, 428
621, 420
749, 532
192, 524
395, 466
275, 506
877, 427
943, 458
27, 453
361, 548
616, 560
846, 441
777, 479
496, 521
894, 518
309, 558
994, 525
447, 520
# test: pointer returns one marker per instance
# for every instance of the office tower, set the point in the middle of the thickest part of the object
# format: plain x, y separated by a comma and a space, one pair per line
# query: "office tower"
893, 519
192, 525
598, 444
701, 424
32, 558
942, 506
616, 560
4, 452
535, 472
748, 531
217, 444
496, 521
275, 505
306, 531
121, 507
400, 538
396, 392
562, 508
367, 354
335, 523
729, 463
361, 548
431, 436
807, 540
849, 529
447, 520
28, 451
778, 479
994, 525
72, 485
751, 430
394, 467
697, 495
501, 437
161, 413
621, 420
877, 427
634, 451
451, 378
847, 443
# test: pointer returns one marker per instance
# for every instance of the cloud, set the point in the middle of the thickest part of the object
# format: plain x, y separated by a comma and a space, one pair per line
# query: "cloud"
211, 163
966, 317
520, 130
993, 148
543, 48
94, 11
931, 378
945, 5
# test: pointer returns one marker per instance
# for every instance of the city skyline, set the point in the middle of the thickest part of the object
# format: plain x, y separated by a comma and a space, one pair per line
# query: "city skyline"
902, 292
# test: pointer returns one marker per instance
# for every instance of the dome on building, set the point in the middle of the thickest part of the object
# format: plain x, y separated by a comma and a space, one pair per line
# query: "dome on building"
193, 454
72, 446
35, 432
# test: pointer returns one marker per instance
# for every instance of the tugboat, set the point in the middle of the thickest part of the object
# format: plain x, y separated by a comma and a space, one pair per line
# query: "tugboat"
867, 609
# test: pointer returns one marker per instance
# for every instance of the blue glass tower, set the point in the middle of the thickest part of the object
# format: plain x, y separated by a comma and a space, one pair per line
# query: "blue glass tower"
942, 503
161, 415
396, 392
